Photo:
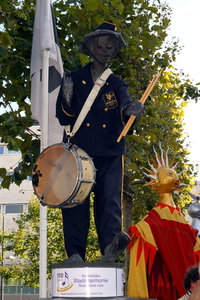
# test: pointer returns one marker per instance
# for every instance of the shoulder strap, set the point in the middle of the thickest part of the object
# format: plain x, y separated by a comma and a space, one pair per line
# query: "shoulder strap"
88, 103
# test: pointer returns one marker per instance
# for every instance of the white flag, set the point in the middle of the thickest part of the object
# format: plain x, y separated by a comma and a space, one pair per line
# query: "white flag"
45, 37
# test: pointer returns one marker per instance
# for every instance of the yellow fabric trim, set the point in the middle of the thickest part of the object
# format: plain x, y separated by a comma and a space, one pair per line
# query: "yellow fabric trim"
66, 112
197, 245
137, 281
166, 214
146, 232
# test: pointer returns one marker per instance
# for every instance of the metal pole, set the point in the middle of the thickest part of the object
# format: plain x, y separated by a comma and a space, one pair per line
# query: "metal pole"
43, 209
21, 293
2, 250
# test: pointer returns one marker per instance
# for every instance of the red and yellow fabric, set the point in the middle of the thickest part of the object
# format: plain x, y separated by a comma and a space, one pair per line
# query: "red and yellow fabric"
163, 246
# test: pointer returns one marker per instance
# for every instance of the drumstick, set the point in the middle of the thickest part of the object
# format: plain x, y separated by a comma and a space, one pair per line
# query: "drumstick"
142, 100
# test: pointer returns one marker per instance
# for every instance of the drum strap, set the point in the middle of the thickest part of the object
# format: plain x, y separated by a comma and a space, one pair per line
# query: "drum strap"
88, 103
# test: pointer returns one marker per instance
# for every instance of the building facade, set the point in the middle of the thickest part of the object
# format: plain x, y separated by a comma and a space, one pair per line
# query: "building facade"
13, 201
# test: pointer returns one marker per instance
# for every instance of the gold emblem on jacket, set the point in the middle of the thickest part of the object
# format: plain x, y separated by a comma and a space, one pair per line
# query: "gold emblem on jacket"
110, 100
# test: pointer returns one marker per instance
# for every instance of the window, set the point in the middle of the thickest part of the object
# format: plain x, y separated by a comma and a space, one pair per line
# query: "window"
14, 209
5, 151
15, 287
13, 152
20, 290
2, 150
29, 178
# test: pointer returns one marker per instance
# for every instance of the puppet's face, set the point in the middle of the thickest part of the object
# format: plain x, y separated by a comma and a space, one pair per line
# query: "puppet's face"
167, 180
102, 48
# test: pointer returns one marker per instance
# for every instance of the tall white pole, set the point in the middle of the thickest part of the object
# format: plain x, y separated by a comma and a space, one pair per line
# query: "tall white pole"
44, 144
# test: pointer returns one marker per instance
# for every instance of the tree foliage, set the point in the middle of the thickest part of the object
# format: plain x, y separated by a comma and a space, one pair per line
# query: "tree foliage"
24, 243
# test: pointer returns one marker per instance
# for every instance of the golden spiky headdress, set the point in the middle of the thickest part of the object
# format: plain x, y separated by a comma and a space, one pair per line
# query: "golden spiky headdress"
164, 178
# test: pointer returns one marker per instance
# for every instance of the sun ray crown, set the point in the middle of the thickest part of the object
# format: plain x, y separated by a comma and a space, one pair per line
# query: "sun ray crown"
160, 168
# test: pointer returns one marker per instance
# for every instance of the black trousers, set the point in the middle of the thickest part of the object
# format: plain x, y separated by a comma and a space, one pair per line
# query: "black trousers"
107, 208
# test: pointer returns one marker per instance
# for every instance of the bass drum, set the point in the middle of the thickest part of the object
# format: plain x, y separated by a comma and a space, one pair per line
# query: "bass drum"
63, 176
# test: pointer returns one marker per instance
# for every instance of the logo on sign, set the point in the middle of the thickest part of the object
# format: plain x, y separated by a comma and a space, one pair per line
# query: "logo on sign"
63, 283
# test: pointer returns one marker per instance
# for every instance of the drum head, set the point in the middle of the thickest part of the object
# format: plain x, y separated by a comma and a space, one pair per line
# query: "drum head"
55, 175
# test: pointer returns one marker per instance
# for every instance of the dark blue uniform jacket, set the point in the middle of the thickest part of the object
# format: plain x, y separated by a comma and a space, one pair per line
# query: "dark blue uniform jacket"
105, 120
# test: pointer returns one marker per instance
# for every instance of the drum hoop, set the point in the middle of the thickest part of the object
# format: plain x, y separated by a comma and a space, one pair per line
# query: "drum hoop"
73, 149
79, 175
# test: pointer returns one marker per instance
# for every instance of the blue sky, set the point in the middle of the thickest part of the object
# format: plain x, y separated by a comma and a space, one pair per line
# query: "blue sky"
185, 25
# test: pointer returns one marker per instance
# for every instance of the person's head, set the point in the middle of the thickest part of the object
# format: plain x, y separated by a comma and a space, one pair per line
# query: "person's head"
102, 48
103, 43
192, 278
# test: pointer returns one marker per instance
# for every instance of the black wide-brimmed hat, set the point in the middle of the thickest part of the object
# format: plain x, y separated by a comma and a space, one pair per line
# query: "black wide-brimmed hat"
106, 28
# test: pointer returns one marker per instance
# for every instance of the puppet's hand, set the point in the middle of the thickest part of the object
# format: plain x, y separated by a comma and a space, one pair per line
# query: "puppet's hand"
68, 90
136, 108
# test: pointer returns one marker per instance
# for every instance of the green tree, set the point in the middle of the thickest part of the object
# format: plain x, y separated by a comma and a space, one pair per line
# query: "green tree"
162, 124
16, 21
144, 28
24, 243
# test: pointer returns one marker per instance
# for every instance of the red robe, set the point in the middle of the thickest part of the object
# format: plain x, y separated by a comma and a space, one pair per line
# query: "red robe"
163, 246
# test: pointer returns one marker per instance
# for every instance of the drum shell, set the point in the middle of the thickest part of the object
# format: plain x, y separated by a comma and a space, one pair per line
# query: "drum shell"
63, 176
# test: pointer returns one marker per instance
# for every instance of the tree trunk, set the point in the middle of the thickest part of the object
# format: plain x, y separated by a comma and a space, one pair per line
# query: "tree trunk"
127, 220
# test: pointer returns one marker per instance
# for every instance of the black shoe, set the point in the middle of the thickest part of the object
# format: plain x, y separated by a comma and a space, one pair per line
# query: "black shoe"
118, 245
75, 258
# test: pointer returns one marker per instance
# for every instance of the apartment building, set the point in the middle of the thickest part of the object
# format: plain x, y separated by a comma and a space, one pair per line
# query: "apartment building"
13, 201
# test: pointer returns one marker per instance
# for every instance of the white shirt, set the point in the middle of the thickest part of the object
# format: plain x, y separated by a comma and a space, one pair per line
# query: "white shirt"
186, 296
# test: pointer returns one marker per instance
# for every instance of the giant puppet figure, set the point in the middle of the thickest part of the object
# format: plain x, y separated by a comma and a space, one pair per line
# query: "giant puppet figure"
103, 115
163, 244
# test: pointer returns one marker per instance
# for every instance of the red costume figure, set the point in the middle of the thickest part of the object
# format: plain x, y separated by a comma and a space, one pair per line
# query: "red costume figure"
163, 244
